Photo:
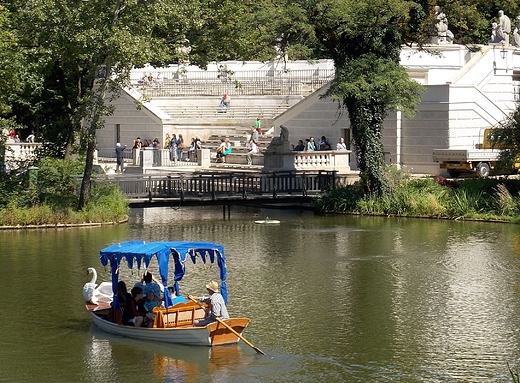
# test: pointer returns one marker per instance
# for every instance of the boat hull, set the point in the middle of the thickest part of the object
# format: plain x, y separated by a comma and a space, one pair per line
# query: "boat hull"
214, 334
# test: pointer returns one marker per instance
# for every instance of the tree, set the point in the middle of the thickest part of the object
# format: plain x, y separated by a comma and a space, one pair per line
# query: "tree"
364, 39
10, 62
506, 136
85, 51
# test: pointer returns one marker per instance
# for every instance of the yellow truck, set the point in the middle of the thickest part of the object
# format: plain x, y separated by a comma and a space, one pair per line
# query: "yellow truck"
482, 161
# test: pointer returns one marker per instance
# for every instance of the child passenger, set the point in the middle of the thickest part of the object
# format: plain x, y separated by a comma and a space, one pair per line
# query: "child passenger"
151, 302
135, 313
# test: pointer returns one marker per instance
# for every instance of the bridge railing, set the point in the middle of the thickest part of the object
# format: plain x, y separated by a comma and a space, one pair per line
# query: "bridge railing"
215, 186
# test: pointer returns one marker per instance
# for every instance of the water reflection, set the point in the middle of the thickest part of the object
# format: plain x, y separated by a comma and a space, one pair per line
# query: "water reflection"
168, 363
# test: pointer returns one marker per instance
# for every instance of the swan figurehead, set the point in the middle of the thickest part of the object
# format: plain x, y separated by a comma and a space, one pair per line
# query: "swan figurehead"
88, 289
92, 293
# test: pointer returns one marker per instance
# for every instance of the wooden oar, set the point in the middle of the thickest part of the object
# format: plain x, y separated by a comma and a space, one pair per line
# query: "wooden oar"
230, 329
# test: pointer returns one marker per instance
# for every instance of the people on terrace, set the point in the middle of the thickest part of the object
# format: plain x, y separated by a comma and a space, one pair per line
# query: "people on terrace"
194, 147
173, 151
310, 145
30, 137
341, 144
323, 144
217, 306
300, 147
180, 147
160, 79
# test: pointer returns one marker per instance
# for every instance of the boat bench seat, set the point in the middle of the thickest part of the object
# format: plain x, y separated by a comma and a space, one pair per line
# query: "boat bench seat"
182, 314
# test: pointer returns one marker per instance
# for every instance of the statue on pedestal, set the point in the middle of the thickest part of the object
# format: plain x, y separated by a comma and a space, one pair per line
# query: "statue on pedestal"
440, 32
504, 28
280, 144
516, 33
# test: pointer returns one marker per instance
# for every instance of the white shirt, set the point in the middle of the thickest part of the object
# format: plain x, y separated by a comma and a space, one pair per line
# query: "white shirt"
217, 305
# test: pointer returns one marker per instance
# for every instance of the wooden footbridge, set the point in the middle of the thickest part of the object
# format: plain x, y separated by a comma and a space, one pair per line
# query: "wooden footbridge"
224, 188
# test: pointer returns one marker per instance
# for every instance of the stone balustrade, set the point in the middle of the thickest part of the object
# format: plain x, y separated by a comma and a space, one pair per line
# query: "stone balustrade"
316, 160
20, 151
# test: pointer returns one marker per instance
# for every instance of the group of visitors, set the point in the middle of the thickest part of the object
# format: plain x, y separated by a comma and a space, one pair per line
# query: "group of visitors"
137, 306
145, 143
178, 147
323, 144
13, 135
150, 80
174, 143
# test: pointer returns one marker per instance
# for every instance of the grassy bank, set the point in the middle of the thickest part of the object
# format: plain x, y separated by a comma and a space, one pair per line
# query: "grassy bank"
50, 198
485, 199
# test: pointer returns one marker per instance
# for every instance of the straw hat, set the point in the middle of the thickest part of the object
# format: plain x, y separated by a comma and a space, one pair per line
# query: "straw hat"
213, 286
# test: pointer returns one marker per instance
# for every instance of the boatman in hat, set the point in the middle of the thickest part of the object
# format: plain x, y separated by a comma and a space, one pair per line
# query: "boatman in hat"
217, 306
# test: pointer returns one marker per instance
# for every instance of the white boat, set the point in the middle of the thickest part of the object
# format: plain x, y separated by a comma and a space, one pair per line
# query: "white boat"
268, 221
214, 334
172, 324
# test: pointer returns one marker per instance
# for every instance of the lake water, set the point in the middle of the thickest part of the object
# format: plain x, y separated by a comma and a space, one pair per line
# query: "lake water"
335, 298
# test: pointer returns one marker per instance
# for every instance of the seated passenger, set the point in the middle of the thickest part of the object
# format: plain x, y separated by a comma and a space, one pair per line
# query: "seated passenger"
135, 313
123, 298
175, 299
150, 284
149, 304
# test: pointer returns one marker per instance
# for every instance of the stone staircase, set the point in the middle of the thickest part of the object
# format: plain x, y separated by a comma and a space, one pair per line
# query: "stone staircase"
239, 141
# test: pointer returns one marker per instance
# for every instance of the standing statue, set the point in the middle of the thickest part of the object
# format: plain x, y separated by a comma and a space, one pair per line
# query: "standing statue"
516, 33
440, 33
504, 28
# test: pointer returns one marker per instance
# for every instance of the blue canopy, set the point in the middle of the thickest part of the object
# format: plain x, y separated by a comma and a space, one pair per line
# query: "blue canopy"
141, 253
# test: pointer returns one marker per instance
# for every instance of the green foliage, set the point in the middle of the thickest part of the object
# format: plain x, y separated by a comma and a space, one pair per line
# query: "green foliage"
428, 197
53, 198
56, 181
107, 201
506, 136
342, 199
